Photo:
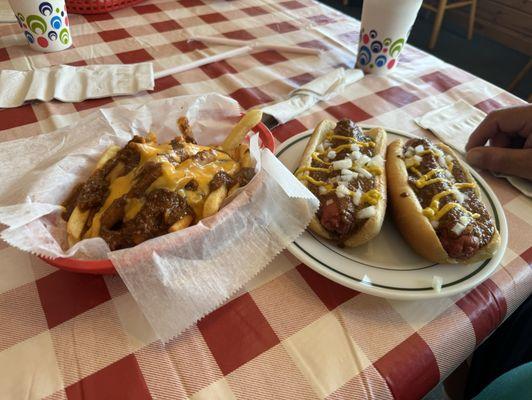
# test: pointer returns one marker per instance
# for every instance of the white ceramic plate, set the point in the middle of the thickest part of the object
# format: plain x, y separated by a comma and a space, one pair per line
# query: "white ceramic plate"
386, 266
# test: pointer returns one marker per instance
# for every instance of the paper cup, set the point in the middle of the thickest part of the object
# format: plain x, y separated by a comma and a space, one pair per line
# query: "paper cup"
44, 23
385, 27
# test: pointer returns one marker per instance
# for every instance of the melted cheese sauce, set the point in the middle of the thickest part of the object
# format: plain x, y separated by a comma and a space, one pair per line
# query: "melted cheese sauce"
173, 178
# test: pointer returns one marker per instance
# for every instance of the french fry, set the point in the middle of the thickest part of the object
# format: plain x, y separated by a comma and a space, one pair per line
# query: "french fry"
151, 138
243, 157
186, 131
181, 224
240, 130
233, 189
75, 225
109, 153
214, 201
78, 219
117, 171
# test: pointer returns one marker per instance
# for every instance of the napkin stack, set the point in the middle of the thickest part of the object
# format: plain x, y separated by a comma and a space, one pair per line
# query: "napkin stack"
73, 84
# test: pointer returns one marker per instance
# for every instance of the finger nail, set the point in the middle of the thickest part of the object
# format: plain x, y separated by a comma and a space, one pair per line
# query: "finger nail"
474, 157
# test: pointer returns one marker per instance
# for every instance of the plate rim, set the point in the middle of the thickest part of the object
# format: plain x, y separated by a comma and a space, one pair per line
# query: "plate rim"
470, 281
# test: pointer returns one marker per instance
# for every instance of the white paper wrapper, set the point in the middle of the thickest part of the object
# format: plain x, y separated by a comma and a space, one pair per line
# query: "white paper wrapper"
74, 84
179, 277
321, 88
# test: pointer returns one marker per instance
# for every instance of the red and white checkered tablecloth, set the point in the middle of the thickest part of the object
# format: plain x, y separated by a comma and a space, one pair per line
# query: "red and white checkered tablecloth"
291, 334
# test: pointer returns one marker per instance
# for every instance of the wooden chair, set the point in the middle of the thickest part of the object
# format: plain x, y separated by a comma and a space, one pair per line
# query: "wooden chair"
440, 9
519, 77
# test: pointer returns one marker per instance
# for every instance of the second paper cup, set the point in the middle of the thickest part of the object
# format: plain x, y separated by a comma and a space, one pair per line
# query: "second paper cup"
385, 27
44, 23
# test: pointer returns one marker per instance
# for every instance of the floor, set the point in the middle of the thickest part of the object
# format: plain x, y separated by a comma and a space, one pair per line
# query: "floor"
481, 56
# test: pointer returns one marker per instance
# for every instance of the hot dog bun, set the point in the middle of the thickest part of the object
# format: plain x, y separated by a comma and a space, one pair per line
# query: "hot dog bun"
373, 224
408, 213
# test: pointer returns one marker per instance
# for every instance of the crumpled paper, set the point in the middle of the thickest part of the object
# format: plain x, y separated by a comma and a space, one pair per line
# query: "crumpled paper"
454, 123
74, 84
179, 277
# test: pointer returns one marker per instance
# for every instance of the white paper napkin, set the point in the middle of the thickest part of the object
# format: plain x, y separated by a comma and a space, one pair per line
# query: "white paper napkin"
179, 277
321, 88
73, 84
453, 124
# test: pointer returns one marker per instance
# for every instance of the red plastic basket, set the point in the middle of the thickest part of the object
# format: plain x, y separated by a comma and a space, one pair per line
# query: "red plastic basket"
97, 6
105, 266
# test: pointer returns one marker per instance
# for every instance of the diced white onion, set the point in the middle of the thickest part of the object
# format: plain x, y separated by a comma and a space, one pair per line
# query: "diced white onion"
459, 196
322, 190
376, 161
439, 153
355, 155
437, 282
319, 147
364, 172
355, 147
346, 171
326, 144
435, 224
464, 220
331, 155
329, 202
419, 148
441, 161
342, 190
181, 192
367, 212
458, 228
341, 164
364, 159
357, 194
418, 159
344, 179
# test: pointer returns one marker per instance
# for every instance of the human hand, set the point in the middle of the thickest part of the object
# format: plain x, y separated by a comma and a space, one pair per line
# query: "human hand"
509, 131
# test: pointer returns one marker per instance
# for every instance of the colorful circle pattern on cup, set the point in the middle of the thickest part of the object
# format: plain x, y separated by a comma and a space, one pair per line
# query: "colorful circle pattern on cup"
378, 53
37, 27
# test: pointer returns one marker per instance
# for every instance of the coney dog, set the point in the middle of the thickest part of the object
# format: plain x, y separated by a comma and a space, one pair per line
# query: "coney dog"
147, 189
344, 168
436, 203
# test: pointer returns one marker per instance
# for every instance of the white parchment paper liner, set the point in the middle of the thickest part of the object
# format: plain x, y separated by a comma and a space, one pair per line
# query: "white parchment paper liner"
176, 278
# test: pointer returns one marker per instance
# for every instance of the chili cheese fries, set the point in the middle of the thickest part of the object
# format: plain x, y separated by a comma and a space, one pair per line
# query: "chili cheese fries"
147, 189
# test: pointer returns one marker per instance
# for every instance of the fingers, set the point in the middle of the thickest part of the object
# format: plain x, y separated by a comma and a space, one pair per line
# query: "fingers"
513, 121
517, 162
